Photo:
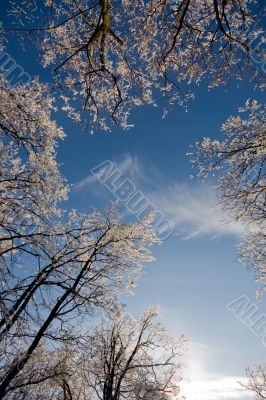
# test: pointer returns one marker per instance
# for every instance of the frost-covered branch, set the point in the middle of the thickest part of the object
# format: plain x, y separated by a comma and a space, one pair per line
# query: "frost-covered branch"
239, 162
111, 56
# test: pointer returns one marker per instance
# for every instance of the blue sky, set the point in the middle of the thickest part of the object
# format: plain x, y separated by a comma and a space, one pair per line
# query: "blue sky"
196, 273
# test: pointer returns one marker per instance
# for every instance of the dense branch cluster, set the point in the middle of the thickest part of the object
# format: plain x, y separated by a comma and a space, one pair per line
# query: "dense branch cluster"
119, 358
111, 56
133, 359
30, 183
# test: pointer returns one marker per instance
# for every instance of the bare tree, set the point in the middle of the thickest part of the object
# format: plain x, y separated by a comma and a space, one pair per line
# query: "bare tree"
120, 358
96, 258
129, 358
256, 381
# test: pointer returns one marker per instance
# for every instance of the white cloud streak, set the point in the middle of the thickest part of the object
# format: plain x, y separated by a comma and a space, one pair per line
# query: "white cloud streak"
194, 210
129, 166
192, 206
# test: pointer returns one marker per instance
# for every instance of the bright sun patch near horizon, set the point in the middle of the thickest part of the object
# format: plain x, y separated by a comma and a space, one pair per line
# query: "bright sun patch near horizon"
224, 388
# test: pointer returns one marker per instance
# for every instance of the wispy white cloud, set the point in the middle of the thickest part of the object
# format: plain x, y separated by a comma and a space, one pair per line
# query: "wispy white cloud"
194, 210
85, 182
128, 164
192, 206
